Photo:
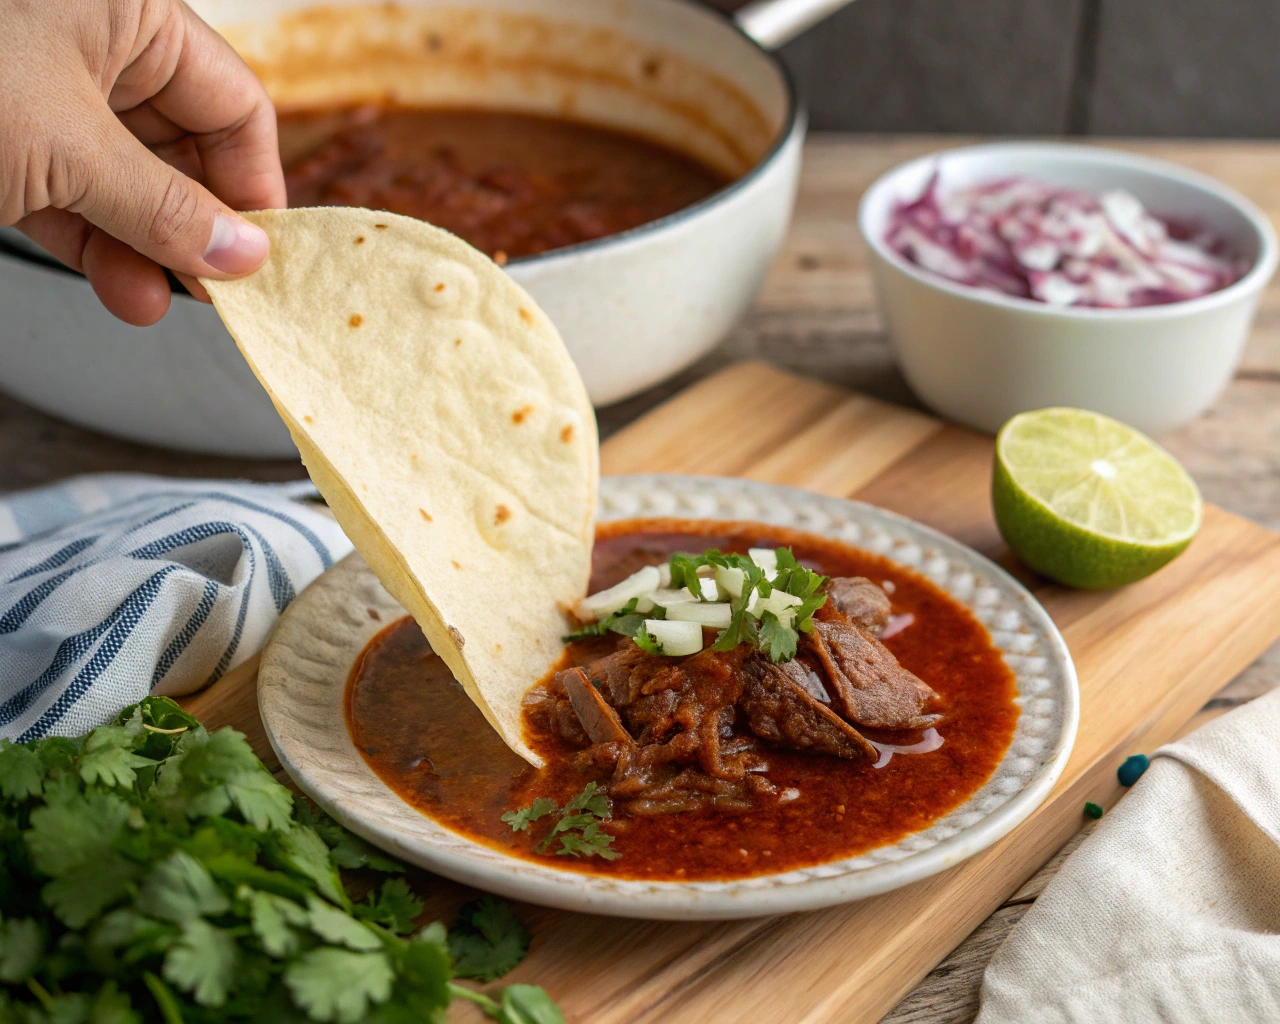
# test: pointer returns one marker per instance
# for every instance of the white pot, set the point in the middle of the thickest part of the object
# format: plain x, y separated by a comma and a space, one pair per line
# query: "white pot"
979, 357
633, 308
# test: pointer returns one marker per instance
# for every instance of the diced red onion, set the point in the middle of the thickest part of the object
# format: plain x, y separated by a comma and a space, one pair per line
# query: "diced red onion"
1060, 246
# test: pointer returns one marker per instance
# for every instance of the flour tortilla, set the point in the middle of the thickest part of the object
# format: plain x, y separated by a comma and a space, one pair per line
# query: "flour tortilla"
441, 417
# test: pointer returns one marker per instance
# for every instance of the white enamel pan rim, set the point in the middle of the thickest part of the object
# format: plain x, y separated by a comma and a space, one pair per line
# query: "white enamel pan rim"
779, 21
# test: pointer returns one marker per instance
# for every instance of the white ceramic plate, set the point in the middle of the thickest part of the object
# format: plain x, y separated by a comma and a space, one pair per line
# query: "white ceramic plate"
306, 665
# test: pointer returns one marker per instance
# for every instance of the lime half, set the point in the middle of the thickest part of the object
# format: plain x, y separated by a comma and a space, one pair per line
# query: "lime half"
1087, 501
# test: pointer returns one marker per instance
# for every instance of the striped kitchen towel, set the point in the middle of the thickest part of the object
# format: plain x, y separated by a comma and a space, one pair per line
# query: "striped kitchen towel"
113, 586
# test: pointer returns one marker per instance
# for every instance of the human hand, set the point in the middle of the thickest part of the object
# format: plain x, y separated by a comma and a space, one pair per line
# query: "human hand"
129, 133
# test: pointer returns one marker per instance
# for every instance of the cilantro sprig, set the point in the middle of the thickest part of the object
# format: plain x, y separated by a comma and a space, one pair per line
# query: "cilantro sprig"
768, 633
626, 621
155, 873
578, 827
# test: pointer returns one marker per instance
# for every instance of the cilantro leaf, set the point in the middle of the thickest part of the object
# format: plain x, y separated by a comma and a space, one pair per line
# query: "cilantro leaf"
528, 1004
21, 946
593, 842
423, 989
274, 920
353, 852
178, 889
76, 831
646, 642
108, 757
626, 621
304, 852
540, 808
742, 629
80, 895
394, 906
340, 928
337, 985
777, 640
202, 962
684, 572
581, 814
592, 801
487, 941
21, 772
111, 1006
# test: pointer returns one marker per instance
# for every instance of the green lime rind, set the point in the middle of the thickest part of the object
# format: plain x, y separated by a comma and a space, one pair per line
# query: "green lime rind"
1065, 552
1089, 502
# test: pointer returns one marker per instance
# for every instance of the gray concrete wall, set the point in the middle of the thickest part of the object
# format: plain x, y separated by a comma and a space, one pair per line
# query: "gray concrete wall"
1198, 68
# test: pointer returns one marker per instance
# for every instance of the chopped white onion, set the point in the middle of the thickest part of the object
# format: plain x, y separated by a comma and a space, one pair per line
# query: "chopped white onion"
637, 585
677, 638
767, 559
715, 616
779, 602
710, 590
731, 580
667, 596
664, 574
646, 603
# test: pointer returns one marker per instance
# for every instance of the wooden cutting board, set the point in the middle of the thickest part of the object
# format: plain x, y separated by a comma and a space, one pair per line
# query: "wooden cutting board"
1148, 657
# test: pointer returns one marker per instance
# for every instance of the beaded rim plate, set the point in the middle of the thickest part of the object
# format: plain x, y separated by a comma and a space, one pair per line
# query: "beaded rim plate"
305, 667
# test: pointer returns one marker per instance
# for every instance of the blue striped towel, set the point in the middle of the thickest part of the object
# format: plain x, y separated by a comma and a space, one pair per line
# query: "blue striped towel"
113, 586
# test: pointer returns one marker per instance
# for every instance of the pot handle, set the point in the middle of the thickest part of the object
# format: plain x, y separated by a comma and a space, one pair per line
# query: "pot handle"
773, 23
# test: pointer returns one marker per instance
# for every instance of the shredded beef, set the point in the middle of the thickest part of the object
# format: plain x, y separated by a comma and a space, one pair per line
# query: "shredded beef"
684, 734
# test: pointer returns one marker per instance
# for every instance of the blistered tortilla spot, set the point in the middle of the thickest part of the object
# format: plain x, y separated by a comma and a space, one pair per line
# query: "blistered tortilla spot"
455, 564
457, 637
425, 515
360, 240
373, 614
356, 320
307, 419
525, 315
566, 435
457, 342
500, 515
381, 227
497, 647
450, 285
519, 415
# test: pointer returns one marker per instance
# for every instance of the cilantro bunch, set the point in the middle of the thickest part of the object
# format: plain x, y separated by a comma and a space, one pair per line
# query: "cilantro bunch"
768, 634
153, 871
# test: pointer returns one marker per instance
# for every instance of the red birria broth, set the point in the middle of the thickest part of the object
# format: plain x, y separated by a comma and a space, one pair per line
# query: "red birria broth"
424, 738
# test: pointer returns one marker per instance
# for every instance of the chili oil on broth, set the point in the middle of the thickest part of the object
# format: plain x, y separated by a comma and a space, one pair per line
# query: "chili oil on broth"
511, 184
418, 731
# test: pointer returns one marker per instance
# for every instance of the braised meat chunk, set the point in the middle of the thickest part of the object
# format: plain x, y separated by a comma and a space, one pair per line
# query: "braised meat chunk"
779, 708
860, 601
868, 684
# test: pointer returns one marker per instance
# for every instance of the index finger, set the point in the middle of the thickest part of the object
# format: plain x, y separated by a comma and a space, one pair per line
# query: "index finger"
215, 96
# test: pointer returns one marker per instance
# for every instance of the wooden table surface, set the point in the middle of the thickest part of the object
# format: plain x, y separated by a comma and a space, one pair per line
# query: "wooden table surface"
816, 315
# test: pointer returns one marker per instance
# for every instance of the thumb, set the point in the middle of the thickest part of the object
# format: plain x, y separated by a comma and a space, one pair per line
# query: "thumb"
133, 195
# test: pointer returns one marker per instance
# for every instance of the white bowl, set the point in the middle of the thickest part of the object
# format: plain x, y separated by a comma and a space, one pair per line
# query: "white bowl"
979, 357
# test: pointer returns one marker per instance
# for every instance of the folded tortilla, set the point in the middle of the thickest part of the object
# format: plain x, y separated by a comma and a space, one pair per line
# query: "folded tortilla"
441, 417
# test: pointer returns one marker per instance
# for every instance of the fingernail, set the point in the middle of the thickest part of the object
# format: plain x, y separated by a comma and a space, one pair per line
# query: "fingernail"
236, 246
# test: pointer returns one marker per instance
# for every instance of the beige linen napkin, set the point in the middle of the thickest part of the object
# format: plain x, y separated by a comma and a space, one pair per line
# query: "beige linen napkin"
1170, 911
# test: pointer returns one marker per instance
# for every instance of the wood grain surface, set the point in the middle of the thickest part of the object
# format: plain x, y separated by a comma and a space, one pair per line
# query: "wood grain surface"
853, 963
816, 315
